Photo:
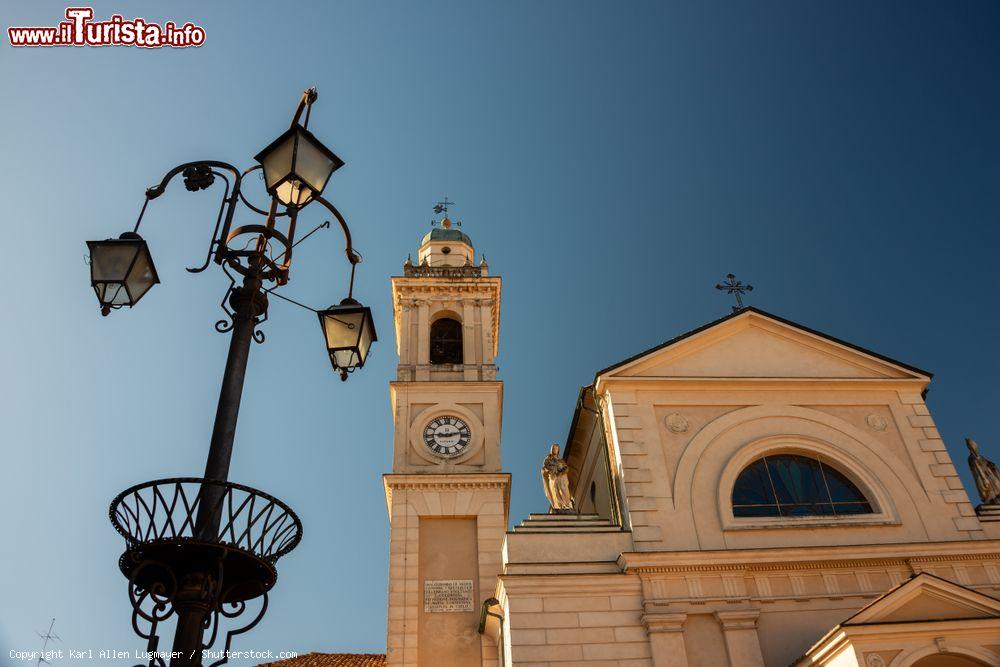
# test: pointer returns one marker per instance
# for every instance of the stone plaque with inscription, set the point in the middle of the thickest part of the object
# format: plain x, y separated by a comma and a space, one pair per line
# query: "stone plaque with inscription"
444, 595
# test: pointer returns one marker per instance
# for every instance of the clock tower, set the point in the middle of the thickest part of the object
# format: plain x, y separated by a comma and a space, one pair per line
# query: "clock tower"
446, 495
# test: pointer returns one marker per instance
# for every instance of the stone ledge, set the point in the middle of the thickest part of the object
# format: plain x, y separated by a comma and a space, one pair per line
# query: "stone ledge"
988, 512
955, 497
932, 446
516, 586
560, 569
943, 470
565, 547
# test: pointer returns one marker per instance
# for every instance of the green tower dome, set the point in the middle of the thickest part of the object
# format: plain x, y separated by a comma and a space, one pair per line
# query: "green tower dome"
446, 233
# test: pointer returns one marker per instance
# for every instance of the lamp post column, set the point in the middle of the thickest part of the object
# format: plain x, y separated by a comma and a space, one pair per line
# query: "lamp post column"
193, 603
248, 303
198, 591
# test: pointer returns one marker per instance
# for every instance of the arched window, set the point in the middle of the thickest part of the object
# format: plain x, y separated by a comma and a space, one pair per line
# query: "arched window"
792, 485
446, 341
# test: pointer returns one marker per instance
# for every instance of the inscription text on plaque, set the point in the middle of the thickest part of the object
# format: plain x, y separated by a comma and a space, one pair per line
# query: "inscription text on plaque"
444, 595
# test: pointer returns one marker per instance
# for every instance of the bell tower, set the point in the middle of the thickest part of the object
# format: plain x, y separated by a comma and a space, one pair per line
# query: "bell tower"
446, 495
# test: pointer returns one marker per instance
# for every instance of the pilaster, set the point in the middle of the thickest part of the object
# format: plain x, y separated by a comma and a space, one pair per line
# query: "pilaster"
423, 341
740, 631
666, 638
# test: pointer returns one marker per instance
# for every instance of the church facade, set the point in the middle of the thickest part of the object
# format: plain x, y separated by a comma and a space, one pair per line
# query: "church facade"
752, 493
775, 496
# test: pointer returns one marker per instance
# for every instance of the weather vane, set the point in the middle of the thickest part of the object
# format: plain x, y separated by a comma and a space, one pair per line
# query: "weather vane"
736, 288
442, 206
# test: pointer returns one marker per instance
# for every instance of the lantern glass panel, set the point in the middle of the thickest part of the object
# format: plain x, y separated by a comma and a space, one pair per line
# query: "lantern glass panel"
111, 260
365, 343
343, 329
293, 193
276, 160
345, 359
142, 276
312, 164
113, 294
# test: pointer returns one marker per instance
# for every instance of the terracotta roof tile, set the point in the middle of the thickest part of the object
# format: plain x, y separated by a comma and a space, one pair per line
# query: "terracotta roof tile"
331, 660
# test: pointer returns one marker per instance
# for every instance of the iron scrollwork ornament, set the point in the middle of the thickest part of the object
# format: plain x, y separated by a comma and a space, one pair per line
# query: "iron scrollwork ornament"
151, 606
198, 177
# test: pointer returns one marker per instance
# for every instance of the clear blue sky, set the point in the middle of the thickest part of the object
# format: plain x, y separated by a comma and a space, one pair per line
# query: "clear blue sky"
613, 160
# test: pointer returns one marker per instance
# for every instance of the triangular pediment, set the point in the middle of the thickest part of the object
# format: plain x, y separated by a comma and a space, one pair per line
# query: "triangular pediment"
754, 344
927, 598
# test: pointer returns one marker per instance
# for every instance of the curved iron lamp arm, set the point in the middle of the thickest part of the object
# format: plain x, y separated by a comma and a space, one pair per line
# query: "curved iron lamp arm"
218, 221
200, 175
250, 205
157, 190
353, 256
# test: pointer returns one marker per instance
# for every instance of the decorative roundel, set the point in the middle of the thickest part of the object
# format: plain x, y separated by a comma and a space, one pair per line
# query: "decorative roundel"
677, 423
447, 436
876, 422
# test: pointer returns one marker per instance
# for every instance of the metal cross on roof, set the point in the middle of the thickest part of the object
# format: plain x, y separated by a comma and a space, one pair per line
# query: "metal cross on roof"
442, 206
736, 288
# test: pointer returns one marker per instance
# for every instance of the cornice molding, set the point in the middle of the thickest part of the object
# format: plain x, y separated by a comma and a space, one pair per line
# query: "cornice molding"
448, 481
572, 585
759, 383
810, 558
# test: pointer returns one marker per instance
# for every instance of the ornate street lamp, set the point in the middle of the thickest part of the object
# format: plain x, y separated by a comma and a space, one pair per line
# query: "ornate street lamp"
121, 271
201, 548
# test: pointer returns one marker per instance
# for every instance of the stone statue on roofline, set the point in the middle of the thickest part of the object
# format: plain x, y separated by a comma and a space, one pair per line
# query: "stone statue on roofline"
986, 474
555, 481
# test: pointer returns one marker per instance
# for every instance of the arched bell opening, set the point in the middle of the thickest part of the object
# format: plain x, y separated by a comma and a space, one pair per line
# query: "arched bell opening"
446, 341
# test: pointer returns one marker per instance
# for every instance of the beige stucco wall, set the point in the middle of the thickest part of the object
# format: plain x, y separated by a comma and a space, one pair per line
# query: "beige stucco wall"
576, 620
448, 550
479, 498
683, 480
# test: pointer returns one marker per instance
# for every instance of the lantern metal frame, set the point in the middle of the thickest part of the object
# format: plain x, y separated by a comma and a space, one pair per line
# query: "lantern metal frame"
162, 580
348, 306
299, 133
129, 238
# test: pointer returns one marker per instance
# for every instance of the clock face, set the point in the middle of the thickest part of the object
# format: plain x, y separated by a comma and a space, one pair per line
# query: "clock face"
447, 436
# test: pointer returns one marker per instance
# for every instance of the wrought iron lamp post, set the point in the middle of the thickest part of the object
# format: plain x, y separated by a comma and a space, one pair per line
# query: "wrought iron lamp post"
202, 548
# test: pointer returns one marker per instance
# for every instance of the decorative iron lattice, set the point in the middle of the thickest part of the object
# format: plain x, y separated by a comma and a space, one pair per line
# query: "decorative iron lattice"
167, 509
204, 542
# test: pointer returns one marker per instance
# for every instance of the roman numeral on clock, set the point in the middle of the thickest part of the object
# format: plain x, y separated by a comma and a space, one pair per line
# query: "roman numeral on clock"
447, 435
